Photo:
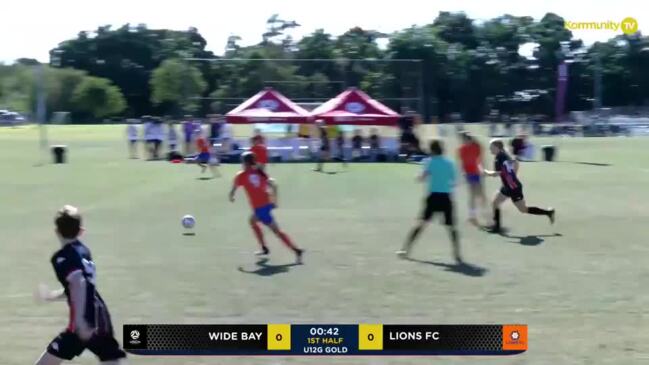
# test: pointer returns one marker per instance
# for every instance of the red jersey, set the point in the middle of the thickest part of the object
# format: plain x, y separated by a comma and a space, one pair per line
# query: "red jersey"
471, 156
261, 153
256, 185
203, 146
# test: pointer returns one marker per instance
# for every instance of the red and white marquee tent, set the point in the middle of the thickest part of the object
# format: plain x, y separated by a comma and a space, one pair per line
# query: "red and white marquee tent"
354, 107
268, 106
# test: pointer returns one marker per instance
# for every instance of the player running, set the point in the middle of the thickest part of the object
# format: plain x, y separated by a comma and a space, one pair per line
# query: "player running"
90, 326
507, 169
470, 154
256, 183
260, 151
439, 173
204, 157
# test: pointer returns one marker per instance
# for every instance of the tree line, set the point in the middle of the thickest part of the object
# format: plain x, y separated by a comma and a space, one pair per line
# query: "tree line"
462, 67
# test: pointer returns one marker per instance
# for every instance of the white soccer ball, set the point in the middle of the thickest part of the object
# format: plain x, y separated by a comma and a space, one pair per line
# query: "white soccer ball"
188, 221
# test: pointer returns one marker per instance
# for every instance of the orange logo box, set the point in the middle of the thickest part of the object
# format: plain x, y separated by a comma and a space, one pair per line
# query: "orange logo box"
515, 337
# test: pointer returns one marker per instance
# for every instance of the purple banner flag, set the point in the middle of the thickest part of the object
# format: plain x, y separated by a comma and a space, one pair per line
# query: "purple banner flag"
562, 87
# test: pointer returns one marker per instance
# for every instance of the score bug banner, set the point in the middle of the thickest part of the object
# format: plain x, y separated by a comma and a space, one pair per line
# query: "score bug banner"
325, 339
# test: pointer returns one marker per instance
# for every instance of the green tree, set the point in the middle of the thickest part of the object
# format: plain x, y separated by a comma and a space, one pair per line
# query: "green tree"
16, 83
456, 28
98, 98
60, 87
174, 84
318, 45
127, 56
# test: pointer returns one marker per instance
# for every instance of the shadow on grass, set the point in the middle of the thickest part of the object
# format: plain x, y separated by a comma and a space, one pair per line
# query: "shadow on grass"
600, 164
531, 240
265, 269
331, 172
205, 178
463, 268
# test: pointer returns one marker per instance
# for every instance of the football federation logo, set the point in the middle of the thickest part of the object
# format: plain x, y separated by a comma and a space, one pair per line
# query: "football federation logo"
268, 104
354, 107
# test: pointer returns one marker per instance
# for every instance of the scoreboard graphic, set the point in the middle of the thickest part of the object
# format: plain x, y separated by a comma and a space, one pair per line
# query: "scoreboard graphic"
325, 339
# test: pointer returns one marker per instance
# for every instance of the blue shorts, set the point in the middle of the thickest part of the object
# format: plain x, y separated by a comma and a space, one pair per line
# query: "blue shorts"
263, 214
203, 157
473, 179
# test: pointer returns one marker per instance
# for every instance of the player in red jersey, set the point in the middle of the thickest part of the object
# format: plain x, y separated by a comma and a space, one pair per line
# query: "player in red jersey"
470, 154
257, 183
260, 151
204, 157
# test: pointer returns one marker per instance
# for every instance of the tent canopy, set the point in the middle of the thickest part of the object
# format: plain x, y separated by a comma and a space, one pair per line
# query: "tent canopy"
268, 106
354, 107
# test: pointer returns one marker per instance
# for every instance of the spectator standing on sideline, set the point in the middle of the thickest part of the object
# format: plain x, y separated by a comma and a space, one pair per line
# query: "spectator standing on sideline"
375, 144
172, 137
216, 127
340, 145
158, 136
357, 145
188, 134
131, 135
148, 136
226, 137
325, 147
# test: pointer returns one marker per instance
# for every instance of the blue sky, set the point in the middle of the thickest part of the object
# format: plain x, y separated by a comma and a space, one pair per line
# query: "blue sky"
30, 28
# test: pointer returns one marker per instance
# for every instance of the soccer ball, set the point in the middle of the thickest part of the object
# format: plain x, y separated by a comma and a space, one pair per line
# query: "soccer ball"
188, 221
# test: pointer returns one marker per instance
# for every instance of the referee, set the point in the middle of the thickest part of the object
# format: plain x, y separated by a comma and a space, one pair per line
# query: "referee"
439, 173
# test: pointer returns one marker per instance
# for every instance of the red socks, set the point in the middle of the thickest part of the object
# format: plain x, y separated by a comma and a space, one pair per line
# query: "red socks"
258, 233
282, 236
287, 241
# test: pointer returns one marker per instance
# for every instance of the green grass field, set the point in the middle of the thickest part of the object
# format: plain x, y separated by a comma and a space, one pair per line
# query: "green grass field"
583, 292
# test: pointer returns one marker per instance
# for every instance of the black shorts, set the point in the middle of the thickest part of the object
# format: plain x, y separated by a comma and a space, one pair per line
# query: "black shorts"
439, 203
67, 345
514, 194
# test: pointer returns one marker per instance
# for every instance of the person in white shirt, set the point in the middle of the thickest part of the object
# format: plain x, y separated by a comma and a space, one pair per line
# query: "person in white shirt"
148, 135
172, 137
157, 135
226, 137
131, 135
